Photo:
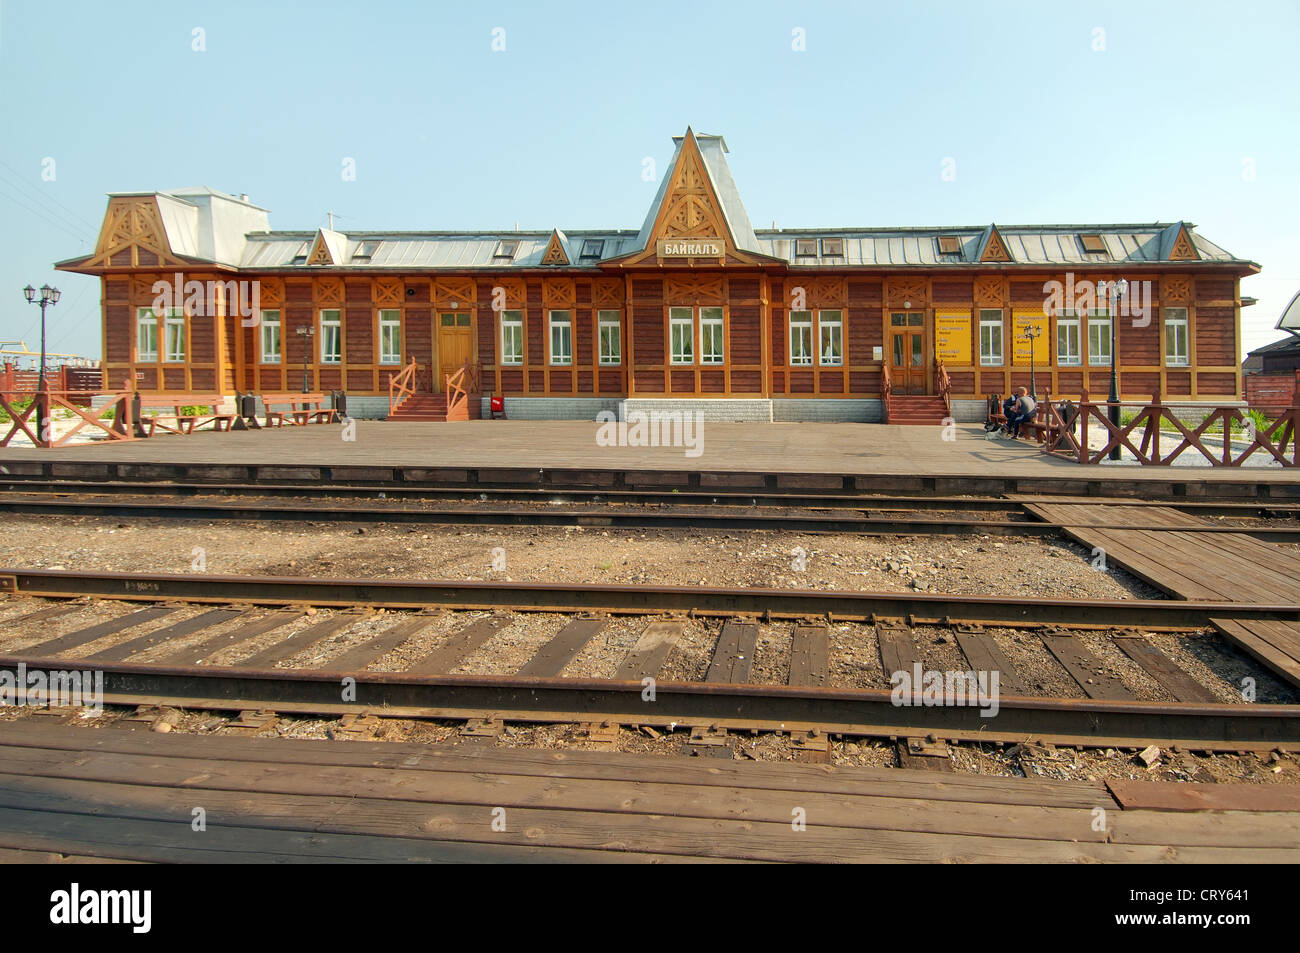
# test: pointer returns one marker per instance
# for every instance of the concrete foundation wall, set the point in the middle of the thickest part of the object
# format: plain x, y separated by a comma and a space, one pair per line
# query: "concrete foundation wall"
794, 410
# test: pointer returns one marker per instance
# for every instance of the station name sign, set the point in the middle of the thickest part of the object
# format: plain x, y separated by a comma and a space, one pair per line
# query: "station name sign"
691, 248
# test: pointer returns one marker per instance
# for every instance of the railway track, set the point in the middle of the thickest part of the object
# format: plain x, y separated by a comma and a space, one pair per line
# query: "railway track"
881, 520
326, 491
226, 650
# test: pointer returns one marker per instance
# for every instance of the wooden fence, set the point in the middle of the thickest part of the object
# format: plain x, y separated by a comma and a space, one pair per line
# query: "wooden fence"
1156, 436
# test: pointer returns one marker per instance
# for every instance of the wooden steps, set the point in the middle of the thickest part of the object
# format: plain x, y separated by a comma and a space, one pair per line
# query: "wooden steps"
421, 407
917, 410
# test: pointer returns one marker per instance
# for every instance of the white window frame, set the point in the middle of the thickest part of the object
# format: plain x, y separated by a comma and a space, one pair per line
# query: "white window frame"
331, 332
1099, 320
1067, 356
678, 319
1176, 318
803, 322
561, 346
713, 332
612, 321
145, 318
174, 321
988, 356
830, 321
512, 338
390, 336
275, 325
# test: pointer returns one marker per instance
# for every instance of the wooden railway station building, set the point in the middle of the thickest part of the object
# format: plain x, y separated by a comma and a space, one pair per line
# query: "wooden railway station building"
695, 309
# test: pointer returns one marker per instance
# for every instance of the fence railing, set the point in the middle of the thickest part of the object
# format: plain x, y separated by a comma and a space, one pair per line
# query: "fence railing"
1156, 436
114, 418
79, 382
401, 386
460, 386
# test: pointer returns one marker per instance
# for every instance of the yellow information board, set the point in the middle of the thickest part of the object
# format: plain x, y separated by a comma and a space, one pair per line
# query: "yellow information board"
952, 337
1039, 323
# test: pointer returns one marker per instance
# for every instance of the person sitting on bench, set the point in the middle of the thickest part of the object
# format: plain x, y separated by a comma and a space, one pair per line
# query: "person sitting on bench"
1023, 411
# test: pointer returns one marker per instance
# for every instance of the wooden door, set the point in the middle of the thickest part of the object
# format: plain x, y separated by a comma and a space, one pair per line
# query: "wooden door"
455, 345
908, 362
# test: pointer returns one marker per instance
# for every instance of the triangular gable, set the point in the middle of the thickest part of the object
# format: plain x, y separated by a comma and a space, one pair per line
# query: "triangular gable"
698, 199
1182, 248
327, 248
556, 253
133, 235
994, 248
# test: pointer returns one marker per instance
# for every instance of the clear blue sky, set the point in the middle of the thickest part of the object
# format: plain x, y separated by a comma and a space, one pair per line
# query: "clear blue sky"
447, 133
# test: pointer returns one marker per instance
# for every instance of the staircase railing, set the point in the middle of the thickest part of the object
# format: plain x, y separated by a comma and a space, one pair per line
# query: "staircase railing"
401, 387
460, 386
886, 388
944, 383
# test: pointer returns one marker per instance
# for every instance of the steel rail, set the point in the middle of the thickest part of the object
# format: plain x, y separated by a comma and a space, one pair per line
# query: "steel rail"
763, 498
607, 517
854, 712
921, 607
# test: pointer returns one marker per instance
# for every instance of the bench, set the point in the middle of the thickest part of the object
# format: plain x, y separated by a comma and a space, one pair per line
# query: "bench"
178, 421
303, 409
1038, 426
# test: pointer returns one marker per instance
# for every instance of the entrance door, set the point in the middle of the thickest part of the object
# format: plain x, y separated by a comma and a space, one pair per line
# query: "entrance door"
455, 346
907, 363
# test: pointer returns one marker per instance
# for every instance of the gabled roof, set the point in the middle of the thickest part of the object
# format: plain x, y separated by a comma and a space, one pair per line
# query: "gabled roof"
713, 151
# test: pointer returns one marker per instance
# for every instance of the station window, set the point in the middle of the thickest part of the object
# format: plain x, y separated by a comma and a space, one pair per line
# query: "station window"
1067, 339
174, 338
592, 248
146, 335
711, 337
991, 337
505, 249
561, 338
611, 337
830, 331
832, 247
390, 336
681, 333
801, 338
512, 337
805, 248
1176, 349
1099, 338
271, 337
331, 336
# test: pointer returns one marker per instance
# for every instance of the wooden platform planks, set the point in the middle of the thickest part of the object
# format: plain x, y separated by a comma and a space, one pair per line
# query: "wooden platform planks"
127, 795
1227, 567
1276, 644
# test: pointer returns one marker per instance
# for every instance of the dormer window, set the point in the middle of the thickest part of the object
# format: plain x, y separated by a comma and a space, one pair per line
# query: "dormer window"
805, 248
592, 248
365, 251
300, 256
949, 245
505, 250
832, 247
1093, 245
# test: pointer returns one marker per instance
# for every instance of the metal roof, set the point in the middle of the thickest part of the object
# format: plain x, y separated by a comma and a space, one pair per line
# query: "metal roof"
205, 224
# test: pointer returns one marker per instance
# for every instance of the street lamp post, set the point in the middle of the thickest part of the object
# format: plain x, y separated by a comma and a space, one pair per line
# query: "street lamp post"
49, 297
1117, 290
306, 334
1030, 333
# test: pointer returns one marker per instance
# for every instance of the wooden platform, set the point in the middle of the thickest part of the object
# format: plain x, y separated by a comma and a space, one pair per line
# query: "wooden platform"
565, 453
110, 793
1229, 567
